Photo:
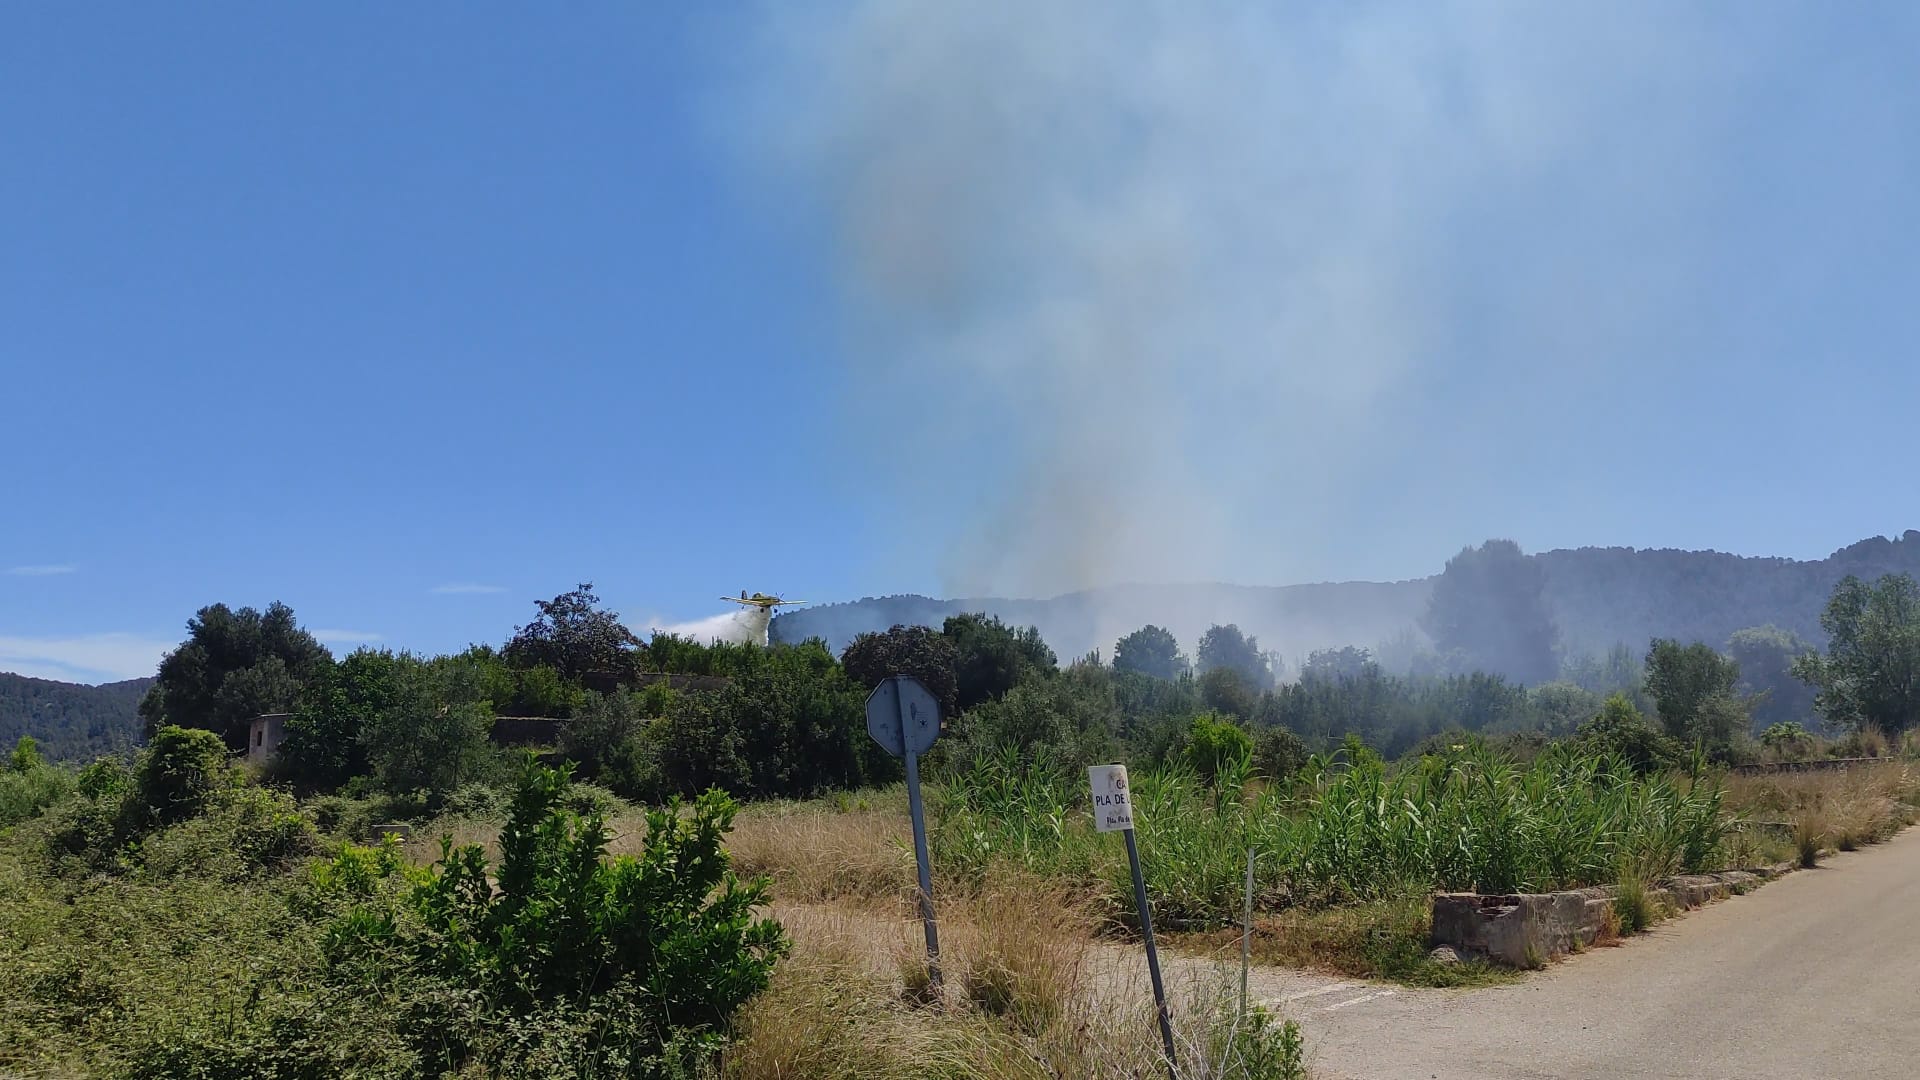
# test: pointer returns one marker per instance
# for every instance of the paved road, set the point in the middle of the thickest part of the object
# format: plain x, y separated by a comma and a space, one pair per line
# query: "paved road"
1816, 975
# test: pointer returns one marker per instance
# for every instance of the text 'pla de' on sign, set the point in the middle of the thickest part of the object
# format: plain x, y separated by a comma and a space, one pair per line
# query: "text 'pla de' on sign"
1112, 806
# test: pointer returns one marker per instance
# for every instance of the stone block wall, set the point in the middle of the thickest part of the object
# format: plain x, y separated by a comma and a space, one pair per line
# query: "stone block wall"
1528, 929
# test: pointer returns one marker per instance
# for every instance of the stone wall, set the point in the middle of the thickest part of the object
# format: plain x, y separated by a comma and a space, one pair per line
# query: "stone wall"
1528, 929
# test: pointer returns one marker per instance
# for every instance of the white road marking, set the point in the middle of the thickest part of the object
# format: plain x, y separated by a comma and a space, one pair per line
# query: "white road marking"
1316, 992
1358, 1000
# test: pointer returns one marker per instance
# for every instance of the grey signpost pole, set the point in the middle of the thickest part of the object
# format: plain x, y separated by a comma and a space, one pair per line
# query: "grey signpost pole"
1153, 954
904, 717
1113, 811
919, 813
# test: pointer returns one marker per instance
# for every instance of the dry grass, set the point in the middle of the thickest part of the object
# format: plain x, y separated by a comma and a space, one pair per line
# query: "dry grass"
1023, 947
1379, 939
856, 848
1028, 995
1811, 812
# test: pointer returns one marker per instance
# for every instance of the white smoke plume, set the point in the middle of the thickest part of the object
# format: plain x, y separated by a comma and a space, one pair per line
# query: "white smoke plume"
1146, 291
748, 625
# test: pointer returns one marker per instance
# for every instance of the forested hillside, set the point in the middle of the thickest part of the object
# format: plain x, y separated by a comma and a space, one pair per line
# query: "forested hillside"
70, 721
1598, 596
1603, 595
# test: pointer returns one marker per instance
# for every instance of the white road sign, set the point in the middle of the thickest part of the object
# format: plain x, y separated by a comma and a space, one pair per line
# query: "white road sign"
1112, 807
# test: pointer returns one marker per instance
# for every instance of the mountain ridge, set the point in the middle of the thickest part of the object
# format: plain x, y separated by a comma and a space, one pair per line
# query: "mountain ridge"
1600, 596
70, 721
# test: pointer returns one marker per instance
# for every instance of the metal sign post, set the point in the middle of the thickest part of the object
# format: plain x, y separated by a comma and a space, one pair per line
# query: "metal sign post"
904, 718
1113, 812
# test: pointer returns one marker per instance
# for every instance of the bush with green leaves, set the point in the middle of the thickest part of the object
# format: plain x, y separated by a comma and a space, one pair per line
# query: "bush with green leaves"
1620, 730
178, 776
1788, 740
788, 722
1279, 752
28, 785
1214, 744
431, 733
637, 961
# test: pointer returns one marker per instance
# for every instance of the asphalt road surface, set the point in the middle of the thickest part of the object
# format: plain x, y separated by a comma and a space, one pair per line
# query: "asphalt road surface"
1816, 975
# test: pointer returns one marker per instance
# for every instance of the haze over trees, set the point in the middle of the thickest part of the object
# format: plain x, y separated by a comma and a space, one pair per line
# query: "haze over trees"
1488, 612
1599, 597
1228, 647
1766, 656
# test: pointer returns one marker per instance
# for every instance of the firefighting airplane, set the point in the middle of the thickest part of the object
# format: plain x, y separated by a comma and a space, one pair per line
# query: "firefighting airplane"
759, 600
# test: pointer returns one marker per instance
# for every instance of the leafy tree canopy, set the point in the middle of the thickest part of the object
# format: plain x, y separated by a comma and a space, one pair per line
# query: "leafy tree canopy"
1150, 650
1694, 689
1349, 663
1227, 647
574, 636
919, 651
1224, 691
233, 666
1870, 675
993, 657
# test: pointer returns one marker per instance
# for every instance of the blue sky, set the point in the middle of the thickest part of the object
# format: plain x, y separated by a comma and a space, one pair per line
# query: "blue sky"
408, 315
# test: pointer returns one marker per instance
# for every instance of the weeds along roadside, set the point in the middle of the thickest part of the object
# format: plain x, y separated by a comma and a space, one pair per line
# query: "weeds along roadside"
1346, 853
1029, 994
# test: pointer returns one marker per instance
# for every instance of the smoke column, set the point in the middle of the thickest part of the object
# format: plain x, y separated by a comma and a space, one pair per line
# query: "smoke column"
748, 625
1163, 285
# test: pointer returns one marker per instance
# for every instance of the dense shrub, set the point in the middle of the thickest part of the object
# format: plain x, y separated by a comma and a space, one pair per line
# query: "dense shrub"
28, 785
1215, 743
178, 776
632, 963
788, 722
1279, 753
1619, 730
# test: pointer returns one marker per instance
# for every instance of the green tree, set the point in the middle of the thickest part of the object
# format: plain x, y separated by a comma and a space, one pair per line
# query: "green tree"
993, 657
431, 735
234, 666
1069, 721
789, 722
574, 636
323, 747
1227, 647
919, 651
1870, 675
1348, 662
1561, 707
1694, 689
178, 776
602, 732
26, 756
1224, 690
1214, 743
1766, 655
1620, 730
1488, 612
1150, 650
